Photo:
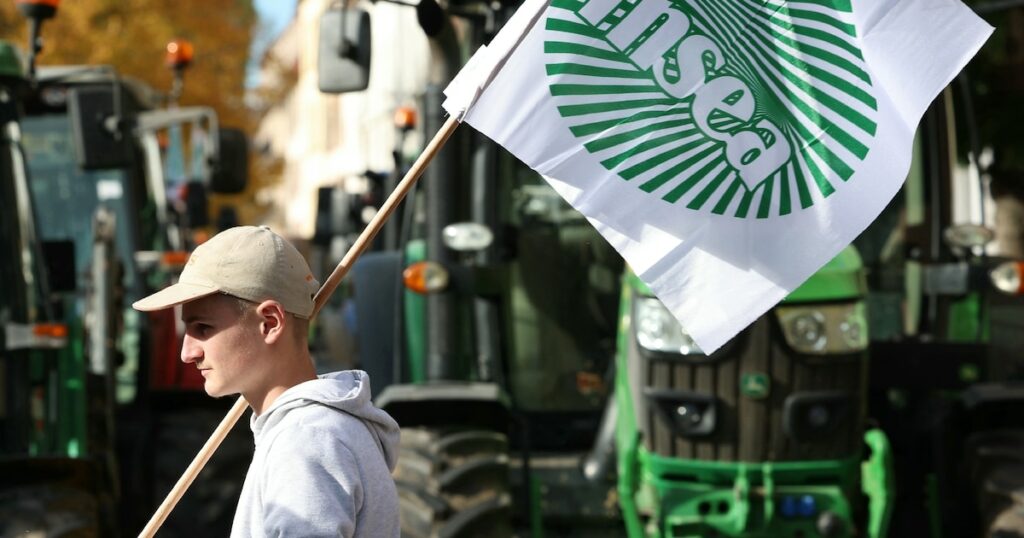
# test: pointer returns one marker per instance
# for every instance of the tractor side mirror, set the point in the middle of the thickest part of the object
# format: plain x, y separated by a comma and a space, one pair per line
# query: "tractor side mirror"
197, 204
231, 171
99, 141
59, 258
343, 59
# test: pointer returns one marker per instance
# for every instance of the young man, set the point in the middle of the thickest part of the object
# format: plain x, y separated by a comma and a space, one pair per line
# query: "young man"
323, 451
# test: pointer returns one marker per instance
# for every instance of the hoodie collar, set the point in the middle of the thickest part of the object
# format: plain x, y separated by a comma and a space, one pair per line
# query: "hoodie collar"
347, 391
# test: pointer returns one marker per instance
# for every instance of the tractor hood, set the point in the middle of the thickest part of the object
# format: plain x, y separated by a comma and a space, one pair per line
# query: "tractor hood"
842, 278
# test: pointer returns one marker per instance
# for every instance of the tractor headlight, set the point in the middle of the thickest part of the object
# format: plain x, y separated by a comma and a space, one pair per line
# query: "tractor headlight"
657, 329
825, 329
1008, 277
806, 331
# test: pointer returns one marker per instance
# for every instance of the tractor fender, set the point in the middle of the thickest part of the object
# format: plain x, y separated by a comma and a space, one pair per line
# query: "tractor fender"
483, 405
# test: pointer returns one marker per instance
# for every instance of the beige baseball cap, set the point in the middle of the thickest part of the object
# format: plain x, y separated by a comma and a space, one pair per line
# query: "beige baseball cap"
248, 262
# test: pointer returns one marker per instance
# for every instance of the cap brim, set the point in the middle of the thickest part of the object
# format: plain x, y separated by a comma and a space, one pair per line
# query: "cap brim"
173, 295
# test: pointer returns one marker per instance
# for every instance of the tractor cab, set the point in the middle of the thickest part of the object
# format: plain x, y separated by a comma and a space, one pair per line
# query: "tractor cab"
94, 151
946, 318
54, 418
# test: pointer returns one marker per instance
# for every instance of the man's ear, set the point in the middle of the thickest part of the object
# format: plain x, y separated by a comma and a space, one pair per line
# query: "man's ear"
273, 320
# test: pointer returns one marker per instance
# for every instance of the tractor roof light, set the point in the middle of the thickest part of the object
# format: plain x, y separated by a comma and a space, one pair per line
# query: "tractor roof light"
425, 277
179, 54
38, 9
1008, 277
405, 118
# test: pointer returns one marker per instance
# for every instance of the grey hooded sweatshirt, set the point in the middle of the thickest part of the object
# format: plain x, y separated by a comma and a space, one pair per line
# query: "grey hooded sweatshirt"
322, 466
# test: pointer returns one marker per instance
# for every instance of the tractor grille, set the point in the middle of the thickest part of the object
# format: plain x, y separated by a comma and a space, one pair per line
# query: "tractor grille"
752, 400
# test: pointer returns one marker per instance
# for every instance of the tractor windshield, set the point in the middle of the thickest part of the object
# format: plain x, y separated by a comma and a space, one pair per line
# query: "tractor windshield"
67, 197
563, 301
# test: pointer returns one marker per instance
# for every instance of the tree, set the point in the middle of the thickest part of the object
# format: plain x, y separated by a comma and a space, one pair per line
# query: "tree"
131, 36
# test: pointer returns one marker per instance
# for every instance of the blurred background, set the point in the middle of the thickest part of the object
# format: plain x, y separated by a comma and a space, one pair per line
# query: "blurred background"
542, 389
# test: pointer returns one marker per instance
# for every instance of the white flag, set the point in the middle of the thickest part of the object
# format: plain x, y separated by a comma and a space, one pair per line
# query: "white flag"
727, 148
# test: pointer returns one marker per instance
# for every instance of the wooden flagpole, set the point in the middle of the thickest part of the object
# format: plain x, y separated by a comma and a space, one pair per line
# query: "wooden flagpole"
328, 287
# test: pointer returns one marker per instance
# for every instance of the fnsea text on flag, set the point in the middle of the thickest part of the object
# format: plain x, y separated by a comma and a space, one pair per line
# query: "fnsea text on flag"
727, 149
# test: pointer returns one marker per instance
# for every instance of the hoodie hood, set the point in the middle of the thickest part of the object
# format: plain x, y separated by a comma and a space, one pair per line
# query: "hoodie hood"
347, 391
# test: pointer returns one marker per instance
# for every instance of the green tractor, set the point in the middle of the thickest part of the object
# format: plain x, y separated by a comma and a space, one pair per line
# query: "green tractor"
764, 437
89, 142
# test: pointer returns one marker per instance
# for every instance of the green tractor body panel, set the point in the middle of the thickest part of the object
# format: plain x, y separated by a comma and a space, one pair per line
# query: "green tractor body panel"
842, 278
63, 373
415, 326
626, 431
878, 482
763, 500
73, 428
968, 320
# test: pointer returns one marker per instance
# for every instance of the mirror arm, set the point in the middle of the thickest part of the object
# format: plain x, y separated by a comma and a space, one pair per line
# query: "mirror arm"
35, 45
113, 123
343, 44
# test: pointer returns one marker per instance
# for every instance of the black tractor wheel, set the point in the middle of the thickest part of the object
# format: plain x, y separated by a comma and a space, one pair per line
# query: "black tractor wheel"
996, 463
453, 484
49, 510
208, 507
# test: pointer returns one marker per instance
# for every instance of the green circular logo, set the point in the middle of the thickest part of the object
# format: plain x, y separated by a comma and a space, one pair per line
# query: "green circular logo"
735, 107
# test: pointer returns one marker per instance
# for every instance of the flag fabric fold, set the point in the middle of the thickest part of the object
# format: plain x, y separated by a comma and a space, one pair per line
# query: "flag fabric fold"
727, 149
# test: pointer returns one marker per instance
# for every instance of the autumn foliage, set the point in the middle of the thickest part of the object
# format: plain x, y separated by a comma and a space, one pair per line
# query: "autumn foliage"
131, 36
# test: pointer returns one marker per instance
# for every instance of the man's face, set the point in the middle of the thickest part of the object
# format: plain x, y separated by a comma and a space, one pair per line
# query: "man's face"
222, 343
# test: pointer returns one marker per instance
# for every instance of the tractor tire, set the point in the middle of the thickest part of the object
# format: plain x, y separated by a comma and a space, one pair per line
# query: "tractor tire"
995, 461
49, 511
453, 484
208, 507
